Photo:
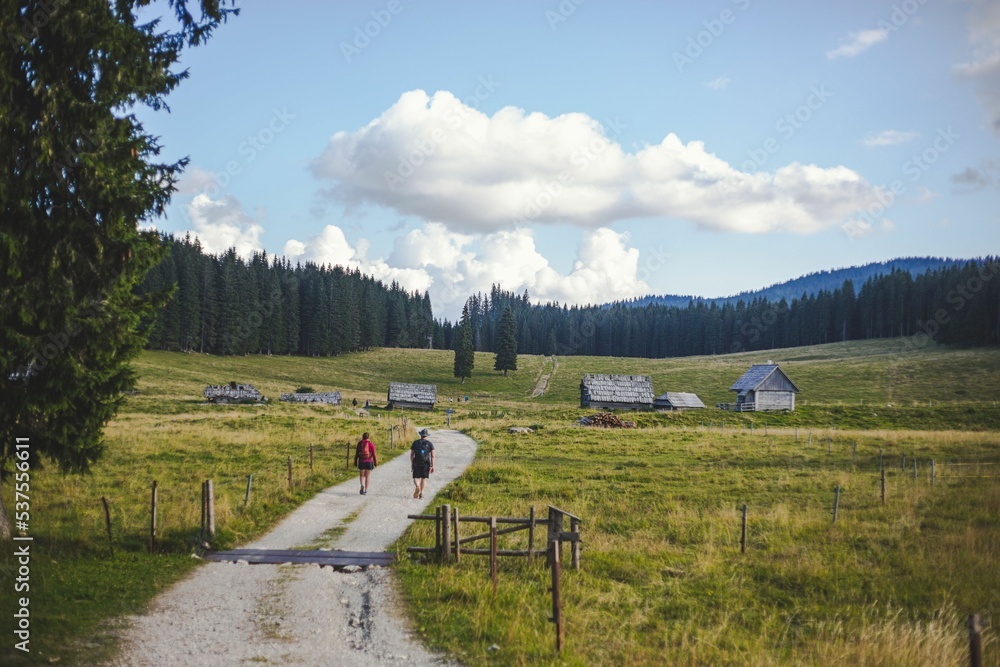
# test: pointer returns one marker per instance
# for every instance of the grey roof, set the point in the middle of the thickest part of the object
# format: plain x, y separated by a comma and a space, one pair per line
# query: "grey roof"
618, 388
679, 399
413, 393
758, 374
330, 397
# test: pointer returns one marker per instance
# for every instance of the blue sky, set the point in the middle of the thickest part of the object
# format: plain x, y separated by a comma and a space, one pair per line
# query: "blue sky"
589, 151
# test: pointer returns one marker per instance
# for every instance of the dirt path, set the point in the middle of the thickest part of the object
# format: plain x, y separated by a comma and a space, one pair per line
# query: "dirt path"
237, 614
543, 381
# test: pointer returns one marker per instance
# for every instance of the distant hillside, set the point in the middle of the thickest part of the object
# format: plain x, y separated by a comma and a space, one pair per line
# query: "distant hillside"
812, 283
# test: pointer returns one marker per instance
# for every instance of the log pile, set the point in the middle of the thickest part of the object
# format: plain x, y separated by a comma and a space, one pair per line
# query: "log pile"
606, 420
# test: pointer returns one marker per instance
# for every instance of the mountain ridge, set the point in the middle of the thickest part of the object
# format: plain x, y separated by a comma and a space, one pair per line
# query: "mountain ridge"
811, 283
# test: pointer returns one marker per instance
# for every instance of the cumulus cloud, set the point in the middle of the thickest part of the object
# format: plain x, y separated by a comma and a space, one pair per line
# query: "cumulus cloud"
857, 43
888, 138
331, 247
984, 67
438, 159
221, 224
452, 265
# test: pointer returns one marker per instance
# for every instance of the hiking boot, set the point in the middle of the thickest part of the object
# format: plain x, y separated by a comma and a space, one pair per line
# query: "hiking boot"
362, 490
416, 493
420, 496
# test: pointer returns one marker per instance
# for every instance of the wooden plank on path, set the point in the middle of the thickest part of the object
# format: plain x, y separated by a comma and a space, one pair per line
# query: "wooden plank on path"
336, 559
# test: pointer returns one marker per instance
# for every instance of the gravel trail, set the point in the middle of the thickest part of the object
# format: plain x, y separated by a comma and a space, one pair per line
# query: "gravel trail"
238, 614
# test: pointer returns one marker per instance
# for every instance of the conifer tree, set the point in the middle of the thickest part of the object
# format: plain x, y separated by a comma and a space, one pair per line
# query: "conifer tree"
465, 355
506, 355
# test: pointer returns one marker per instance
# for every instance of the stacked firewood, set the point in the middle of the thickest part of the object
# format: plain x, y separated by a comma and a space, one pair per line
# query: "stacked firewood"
606, 420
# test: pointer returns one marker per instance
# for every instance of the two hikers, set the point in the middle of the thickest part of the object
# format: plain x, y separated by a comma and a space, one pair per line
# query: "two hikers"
421, 462
366, 460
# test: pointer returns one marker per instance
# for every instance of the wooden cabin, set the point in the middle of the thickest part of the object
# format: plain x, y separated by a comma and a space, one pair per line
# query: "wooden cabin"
326, 397
764, 387
232, 393
623, 392
413, 396
677, 400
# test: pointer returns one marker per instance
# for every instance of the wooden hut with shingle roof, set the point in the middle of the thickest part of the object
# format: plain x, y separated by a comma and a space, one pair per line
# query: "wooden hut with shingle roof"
414, 396
764, 387
677, 400
624, 392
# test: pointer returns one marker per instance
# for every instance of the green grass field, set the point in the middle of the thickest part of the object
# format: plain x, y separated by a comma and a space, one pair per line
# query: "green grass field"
662, 582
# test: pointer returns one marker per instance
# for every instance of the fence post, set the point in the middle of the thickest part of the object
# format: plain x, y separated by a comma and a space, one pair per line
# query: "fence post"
854, 450
574, 526
437, 530
204, 511
810, 439
836, 503
210, 514
152, 520
975, 641
531, 535
289, 473
883, 487
555, 557
347, 457
246, 498
493, 553
743, 532
932, 472
796, 434
107, 524
458, 539
310, 458
446, 532
914, 469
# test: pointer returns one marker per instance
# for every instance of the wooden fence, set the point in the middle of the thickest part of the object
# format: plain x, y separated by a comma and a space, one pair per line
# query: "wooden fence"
450, 544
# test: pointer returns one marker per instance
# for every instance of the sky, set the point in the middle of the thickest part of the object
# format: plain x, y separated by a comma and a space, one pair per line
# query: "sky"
591, 151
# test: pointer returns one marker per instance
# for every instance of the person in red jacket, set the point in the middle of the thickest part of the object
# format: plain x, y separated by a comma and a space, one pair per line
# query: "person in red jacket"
366, 460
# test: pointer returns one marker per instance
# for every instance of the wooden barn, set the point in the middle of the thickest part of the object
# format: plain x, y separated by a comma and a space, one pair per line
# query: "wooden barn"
764, 387
677, 400
327, 397
415, 396
624, 392
232, 393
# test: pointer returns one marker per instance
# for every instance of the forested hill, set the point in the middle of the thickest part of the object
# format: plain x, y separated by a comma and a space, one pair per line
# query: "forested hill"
958, 304
811, 283
225, 305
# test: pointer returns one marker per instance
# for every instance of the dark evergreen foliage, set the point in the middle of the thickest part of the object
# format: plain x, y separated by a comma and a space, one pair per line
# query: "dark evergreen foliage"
465, 355
955, 304
506, 355
226, 305
79, 173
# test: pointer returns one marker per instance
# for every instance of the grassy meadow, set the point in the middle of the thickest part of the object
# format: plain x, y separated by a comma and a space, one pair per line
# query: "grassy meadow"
662, 581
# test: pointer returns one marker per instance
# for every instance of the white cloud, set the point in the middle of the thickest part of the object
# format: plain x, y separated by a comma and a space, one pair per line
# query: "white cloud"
720, 83
984, 67
195, 180
438, 159
452, 265
221, 224
331, 247
888, 138
857, 43
605, 269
